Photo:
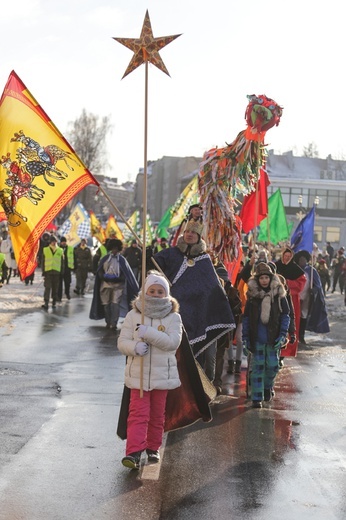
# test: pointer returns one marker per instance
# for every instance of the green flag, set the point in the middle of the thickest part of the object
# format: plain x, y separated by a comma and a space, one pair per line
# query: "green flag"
162, 226
276, 221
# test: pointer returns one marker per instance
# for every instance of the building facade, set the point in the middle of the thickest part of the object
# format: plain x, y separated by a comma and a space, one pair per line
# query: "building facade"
306, 181
164, 182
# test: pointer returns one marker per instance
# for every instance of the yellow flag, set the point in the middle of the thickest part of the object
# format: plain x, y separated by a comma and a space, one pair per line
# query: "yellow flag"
187, 197
97, 230
135, 223
77, 226
112, 229
39, 171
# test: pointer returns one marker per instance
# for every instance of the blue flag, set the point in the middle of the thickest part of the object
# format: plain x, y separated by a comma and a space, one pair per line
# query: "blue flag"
303, 236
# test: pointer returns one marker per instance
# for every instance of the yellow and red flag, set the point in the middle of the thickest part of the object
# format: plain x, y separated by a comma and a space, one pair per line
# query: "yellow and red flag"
39, 171
112, 229
97, 230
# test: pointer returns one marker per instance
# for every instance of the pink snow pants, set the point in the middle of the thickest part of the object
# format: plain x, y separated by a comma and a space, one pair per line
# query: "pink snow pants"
145, 423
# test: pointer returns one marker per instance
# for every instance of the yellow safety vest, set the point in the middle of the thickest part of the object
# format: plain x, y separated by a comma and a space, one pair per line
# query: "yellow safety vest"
52, 262
70, 257
103, 250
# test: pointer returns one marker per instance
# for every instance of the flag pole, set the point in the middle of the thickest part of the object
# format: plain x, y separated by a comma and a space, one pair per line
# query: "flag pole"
146, 48
120, 215
145, 195
256, 219
268, 235
131, 229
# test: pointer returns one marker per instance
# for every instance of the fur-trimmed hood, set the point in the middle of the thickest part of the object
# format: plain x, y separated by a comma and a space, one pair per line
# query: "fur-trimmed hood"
255, 291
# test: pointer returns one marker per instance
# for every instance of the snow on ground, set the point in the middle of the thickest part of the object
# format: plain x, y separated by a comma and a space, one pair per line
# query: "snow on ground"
16, 298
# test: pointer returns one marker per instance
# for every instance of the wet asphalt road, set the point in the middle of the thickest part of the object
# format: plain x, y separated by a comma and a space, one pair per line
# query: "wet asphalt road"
61, 379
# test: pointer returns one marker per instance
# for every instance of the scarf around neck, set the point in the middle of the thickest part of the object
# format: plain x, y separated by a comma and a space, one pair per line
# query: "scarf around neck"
267, 296
155, 308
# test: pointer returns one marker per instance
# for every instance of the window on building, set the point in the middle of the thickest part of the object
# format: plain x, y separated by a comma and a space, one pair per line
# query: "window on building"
333, 199
285, 192
318, 234
332, 234
342, 200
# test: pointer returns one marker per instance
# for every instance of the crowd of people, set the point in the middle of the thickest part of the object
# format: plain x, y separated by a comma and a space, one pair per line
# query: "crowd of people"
188, 296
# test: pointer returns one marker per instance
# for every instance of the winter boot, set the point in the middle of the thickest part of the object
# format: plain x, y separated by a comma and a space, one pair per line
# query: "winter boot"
269, 394
153, 455
237, 369
230, 368
132, 460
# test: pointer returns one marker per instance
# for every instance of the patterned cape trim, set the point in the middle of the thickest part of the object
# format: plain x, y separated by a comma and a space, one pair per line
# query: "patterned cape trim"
185, 266
218, 326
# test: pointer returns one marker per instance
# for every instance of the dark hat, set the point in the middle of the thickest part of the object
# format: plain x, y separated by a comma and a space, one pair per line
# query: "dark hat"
52, 238
114, 243
263, 268
301, 253
63, 239
194, 206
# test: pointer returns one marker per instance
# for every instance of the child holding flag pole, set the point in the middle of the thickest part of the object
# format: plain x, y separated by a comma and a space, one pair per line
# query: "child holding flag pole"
151, 366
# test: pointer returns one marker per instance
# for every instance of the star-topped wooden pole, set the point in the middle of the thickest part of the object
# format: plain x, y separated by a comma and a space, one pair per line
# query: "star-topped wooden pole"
146, 49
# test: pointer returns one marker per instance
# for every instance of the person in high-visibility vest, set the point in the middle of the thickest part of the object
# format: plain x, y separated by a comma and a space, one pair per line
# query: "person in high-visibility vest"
52, 263
3, 269
68, 267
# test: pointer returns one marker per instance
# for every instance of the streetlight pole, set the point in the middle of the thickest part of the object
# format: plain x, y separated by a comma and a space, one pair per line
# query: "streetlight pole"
300, 215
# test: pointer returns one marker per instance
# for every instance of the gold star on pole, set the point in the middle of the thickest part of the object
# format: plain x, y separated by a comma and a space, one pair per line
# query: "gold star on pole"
146, 47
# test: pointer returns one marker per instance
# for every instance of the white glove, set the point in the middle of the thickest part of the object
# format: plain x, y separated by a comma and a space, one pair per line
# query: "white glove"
141, 348
142, 329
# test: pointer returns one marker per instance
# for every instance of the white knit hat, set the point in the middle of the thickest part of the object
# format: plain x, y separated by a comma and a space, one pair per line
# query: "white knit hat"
156, 279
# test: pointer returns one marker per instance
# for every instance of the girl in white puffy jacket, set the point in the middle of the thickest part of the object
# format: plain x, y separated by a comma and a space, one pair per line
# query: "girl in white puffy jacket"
155, 342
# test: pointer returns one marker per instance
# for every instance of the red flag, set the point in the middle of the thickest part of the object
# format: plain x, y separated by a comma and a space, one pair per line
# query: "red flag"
39, 171
248, 210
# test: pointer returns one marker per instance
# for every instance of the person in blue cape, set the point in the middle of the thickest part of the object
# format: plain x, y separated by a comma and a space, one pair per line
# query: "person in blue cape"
114, 288
313, 313
204, 307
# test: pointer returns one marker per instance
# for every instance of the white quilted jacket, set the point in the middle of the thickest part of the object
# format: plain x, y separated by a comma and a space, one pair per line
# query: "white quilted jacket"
160, 364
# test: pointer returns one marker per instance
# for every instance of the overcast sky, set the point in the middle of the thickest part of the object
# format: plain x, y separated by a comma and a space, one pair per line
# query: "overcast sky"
293, 52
